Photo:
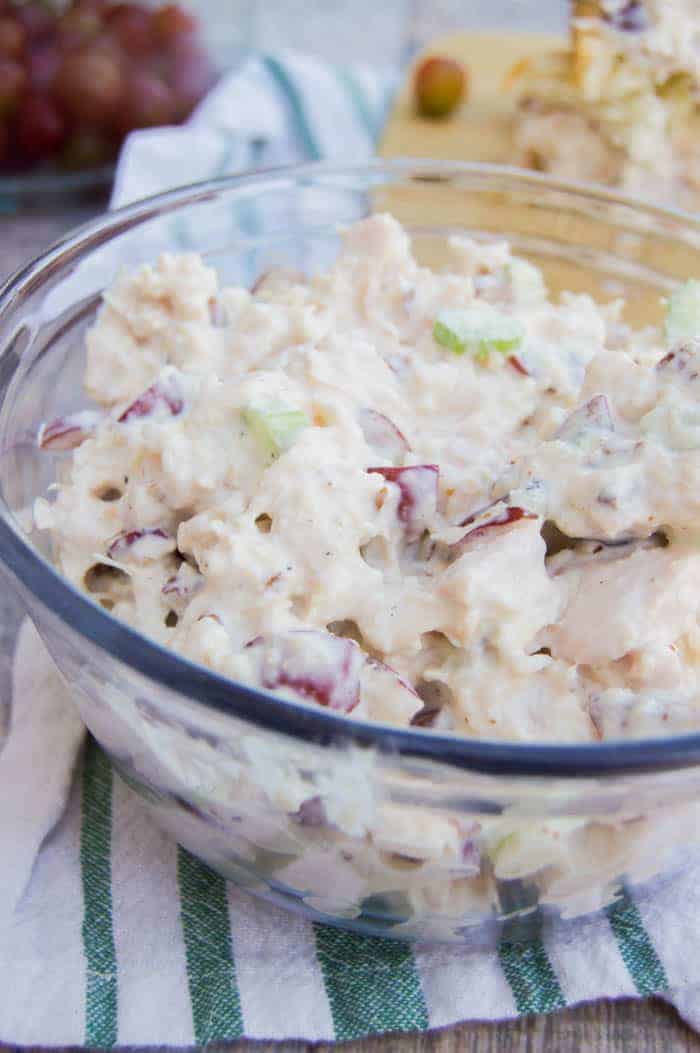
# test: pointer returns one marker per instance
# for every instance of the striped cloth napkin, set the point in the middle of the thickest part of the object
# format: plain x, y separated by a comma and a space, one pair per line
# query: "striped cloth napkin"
112, 935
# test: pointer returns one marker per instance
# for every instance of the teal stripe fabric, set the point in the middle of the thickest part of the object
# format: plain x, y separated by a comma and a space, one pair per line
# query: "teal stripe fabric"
359, 101
96, 874
288, 89
372, 984
211, 973
637, 950
532, 979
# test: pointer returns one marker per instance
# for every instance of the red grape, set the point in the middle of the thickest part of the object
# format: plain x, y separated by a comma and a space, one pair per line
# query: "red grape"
98, 7
165, 396
89, 84
87, 148
171, 22
78, 25
439, 86
36, 19
40, 127
149, 103
67, 432
12, 37
76, 77
418, 495
13, 80
42, 64
132, 26
4, 143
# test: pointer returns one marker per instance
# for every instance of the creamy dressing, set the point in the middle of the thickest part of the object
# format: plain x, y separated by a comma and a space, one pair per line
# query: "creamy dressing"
307, 488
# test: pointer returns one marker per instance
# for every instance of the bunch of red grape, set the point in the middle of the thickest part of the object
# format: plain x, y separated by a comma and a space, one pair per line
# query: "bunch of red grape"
75, 82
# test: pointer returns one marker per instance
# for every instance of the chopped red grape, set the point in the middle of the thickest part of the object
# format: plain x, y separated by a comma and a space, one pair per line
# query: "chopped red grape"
494, 508
164, 394
141, 545
67, 433
380, 668
184, 584
317, 665
594, 414
418, 486
381, 685
40, 127
382, 434
502, 516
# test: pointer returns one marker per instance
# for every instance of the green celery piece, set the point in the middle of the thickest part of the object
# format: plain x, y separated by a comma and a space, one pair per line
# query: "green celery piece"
480, 330
683, 313
275, 427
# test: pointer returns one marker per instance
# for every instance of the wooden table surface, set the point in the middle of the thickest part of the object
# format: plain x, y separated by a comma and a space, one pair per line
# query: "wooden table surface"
605, 1027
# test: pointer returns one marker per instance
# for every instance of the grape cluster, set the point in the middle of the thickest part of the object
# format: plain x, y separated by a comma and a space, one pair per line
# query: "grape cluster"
75, 82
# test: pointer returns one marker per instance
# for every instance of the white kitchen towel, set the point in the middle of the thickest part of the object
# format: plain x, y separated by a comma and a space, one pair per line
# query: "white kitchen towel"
122, 938
275, 110
112, 935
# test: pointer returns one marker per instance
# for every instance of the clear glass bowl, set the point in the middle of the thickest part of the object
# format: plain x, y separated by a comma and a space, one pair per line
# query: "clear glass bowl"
406, 833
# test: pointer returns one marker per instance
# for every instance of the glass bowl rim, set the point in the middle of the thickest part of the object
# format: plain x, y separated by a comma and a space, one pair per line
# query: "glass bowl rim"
200, 686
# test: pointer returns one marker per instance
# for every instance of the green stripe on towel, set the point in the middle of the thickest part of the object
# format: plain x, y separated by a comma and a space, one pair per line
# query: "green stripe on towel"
211, 973
288, 88
357, 96
531, 977
96, 877
637, 950
372, 984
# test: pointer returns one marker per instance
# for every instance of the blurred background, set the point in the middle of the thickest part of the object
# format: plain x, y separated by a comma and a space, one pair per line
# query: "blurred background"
78, 76
363, 31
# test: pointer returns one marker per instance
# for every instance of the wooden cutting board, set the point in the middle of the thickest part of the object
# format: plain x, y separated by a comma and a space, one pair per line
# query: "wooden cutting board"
480, 131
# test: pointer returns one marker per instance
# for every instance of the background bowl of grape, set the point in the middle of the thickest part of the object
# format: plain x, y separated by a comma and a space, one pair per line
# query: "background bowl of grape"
77, 77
